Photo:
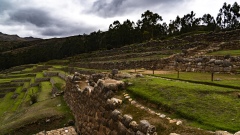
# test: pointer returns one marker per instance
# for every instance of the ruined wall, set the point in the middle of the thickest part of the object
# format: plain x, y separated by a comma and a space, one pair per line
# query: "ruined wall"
191, 64
95, 110
205, 64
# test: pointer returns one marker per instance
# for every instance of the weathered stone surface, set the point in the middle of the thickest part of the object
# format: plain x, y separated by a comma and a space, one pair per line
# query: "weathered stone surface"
223, 133
174, 134
143, 126
237, 133
126, 120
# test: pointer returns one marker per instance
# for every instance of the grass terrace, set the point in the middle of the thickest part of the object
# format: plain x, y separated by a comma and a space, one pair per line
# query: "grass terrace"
208, 107
225, 80
226, 52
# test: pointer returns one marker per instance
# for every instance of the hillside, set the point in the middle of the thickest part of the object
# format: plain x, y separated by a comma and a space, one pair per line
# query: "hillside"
162, 54
163, 93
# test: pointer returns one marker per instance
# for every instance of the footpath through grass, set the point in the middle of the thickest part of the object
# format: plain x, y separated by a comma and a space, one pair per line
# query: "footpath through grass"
208, 107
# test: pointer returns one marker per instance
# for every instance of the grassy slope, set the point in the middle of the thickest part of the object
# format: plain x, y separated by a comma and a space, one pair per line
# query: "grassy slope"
211, 107
20, 112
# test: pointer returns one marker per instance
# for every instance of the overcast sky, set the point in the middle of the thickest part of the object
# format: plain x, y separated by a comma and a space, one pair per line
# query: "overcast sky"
61, 18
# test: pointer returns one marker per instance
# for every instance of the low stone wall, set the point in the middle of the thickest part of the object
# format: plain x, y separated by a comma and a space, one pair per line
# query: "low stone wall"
21, 80
2, 85
62, 75
34, 84
95, 110
50, 74
6, 90
52, 81
37, 80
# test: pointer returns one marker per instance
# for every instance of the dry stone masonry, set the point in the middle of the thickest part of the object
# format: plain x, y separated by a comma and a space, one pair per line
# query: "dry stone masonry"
96, 109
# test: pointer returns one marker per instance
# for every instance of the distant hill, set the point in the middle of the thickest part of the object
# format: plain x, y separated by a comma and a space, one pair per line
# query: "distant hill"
6, 37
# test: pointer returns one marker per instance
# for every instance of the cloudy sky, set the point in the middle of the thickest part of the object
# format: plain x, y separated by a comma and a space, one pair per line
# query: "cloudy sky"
61, 18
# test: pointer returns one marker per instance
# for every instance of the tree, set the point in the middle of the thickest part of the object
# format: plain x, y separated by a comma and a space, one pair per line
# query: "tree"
228, 16
149, 23
209, 21
189, 22
174, 26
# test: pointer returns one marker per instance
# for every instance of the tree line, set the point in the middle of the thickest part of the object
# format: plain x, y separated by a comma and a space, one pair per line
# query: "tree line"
150, 26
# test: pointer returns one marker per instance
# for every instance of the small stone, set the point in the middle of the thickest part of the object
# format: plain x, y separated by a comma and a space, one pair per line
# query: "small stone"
179, 122
127, 97
130, 99
174, 134
133, 102
47, 120
58, 105
172, 121
162, 116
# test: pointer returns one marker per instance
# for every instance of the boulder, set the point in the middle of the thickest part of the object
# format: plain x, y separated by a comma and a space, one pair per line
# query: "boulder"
115, 114
218, 62
237, 133
126, 120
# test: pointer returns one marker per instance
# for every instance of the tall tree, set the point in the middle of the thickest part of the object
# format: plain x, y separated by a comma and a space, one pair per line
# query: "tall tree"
228, 16
149, 23
209, 21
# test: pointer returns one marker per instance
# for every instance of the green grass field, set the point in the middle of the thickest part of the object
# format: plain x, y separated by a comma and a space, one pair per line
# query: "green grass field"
45, 91
226, 52
219, 79
39, 75
209, 107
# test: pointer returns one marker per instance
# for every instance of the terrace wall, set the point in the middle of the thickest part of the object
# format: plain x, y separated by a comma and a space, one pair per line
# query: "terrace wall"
192, 64
94, 109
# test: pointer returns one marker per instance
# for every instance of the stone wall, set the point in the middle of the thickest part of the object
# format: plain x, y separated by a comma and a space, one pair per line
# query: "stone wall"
188, 64
50, 74
37, 80
95, 110
62, 75
205, 64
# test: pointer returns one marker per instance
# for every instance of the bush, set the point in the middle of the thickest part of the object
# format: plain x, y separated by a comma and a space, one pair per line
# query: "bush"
33, 98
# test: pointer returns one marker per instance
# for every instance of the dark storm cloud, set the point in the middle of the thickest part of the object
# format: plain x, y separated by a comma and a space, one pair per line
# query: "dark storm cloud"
36, 17
45, 24
121, 7
107, 9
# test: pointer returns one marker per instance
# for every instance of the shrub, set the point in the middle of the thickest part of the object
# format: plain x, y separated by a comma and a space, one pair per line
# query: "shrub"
33, 97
